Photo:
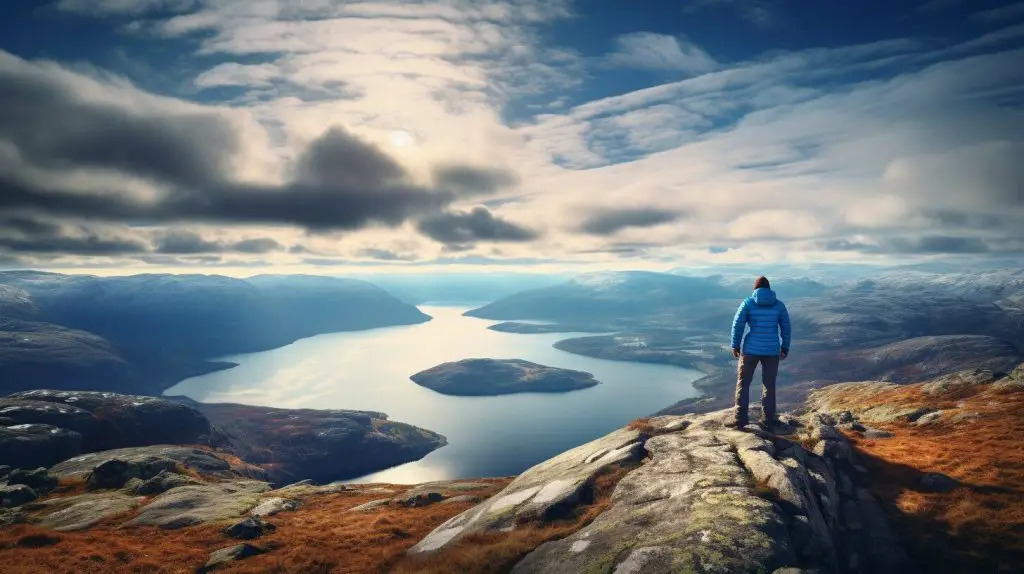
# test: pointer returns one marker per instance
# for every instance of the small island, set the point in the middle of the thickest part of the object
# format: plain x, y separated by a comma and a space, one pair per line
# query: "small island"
489, 377
536, 329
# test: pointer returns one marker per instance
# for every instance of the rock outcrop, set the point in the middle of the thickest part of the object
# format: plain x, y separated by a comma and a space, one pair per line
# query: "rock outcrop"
543, 492
705, 498
191, 505
119, 421
47, 427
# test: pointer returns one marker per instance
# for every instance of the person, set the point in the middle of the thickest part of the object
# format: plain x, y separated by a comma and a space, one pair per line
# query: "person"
767, 318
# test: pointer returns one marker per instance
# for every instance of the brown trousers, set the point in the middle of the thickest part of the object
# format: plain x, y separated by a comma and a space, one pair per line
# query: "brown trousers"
745, 374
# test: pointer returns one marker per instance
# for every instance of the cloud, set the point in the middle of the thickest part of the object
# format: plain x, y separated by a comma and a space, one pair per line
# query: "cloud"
185, 157
758, 12
382, 254
54, 126
185, 242
466, 180
478, 224
926, 245
651, 51
611, 221
28, 235
999, 15
124, 7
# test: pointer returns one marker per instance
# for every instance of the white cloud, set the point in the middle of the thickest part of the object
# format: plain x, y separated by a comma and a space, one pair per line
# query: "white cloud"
652, 51
772, 157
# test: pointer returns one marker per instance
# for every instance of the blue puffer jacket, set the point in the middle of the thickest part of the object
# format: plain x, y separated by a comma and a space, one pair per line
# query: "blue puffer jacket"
766, 316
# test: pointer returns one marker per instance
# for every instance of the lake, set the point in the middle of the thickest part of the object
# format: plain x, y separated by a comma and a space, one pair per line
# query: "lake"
487, 436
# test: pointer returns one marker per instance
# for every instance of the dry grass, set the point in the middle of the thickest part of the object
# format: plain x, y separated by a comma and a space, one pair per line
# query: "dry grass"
320, 537
646, 428
980, 526
493, 553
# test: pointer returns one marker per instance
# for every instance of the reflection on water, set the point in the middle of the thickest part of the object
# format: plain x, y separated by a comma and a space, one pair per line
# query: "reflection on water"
487, 436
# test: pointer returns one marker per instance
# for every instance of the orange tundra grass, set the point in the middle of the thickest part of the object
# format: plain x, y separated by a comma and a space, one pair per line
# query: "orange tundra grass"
978, 527
322, 536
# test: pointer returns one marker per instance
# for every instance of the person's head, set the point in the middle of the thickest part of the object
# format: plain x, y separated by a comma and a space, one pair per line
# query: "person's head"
762, 282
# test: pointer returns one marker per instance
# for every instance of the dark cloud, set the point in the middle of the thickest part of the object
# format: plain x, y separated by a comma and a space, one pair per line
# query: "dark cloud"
468, 227
26, 235
339, 159
257, 245
185, 242
933, 244
339, 182
53, 127
382, 254
467, 180
944, 244
610, 222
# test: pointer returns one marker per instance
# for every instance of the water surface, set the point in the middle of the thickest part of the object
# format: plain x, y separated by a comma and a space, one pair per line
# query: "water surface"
487, 436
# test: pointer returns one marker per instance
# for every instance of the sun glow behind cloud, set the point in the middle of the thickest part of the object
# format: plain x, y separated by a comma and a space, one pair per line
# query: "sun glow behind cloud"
483, 140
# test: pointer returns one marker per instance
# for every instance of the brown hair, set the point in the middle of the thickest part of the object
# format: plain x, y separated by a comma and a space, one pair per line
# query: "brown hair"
762, 281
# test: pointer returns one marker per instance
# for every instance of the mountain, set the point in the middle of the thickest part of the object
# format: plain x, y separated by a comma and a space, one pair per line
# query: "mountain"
599, 297
904, 324
143, 333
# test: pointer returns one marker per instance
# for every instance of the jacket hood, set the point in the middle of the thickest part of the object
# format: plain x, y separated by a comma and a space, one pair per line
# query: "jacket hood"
764, 297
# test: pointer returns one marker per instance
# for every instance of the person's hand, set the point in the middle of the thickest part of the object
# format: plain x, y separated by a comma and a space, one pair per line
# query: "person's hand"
783, 355
736, 353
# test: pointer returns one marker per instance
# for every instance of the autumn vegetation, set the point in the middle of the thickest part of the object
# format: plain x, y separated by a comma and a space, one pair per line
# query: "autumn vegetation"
978, 527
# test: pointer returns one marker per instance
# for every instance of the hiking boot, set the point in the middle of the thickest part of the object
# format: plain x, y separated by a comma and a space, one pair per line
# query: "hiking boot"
737, 425
771, 425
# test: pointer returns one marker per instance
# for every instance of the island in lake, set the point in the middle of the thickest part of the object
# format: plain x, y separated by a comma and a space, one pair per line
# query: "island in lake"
488, 377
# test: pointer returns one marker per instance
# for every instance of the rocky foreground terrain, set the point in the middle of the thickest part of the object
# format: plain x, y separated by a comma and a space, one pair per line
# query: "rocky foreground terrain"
486, 377
864, 477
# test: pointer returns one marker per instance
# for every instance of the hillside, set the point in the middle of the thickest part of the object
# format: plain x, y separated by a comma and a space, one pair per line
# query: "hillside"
865, 477
905, 325
144, 333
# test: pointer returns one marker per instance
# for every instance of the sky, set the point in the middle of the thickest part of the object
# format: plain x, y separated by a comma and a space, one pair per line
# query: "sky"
334, 136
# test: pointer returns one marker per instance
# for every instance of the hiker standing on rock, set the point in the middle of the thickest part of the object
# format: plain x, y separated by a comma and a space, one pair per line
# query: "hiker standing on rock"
767, 318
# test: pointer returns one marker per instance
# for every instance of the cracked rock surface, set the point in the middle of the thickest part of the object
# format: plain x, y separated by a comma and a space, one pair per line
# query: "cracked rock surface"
705, 498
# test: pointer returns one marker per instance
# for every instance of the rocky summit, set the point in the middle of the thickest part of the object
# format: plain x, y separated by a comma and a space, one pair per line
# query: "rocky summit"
701, 498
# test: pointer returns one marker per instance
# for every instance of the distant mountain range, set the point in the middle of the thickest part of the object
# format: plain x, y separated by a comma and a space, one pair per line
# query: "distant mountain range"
144, 333
904, 324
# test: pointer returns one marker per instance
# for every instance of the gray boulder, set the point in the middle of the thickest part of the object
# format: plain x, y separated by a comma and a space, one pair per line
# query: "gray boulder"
151, 457
226, 556
274, 505
198, 504
15, 495
40, 480
371, 505
248, 528
417, 497
114, 472
81, 512
34, 445
545, 491
163, 482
